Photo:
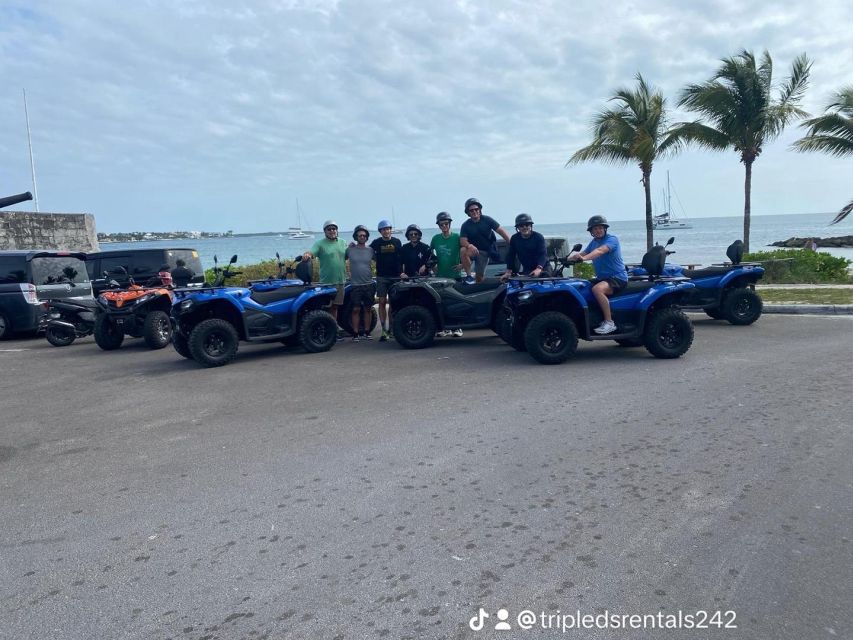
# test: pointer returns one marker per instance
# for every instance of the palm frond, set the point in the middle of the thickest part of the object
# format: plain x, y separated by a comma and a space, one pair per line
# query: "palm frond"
698, 133
795, 87
843, 213
843, 100
606, 152
832, 145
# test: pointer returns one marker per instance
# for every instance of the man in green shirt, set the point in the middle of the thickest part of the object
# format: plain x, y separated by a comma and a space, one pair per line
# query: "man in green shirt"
331, 251
445, 245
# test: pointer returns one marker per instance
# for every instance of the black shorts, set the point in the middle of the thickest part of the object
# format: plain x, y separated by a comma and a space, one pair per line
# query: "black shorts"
615, 284
362, 295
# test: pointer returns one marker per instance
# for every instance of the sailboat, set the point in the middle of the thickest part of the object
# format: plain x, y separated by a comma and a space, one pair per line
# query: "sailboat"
665, 219
295, 233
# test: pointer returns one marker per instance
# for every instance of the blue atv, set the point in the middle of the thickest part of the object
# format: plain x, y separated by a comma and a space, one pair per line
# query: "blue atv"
723, 291
546, 316
210, 322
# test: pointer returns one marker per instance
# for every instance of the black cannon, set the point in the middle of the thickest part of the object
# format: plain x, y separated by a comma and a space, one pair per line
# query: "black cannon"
8, 201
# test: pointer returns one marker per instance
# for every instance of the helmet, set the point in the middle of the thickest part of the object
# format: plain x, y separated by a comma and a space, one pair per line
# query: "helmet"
413, 227
471, 201
443, 217
329, 223
595, 221
360, 227
523, 218
384, 224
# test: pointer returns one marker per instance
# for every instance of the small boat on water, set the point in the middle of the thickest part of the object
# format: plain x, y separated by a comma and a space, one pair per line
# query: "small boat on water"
666, 220
296, 233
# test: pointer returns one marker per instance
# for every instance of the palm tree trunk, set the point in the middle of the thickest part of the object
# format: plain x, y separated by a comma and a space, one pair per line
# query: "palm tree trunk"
747, 204
647, 187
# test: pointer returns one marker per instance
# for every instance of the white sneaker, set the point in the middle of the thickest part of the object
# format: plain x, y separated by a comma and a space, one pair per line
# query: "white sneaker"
457, 333
442, 334
608, 326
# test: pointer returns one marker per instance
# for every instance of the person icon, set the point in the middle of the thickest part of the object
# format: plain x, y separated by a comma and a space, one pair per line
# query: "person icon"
503, 625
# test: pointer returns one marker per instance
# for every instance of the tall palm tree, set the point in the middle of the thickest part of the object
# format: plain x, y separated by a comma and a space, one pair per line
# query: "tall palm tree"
832, 133
635, 130
742, 113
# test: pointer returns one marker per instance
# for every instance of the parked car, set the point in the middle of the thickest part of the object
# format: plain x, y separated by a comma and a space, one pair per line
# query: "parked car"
142, 265
28, 278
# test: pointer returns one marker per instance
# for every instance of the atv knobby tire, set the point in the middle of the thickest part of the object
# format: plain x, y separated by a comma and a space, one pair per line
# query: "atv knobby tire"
414, 327
318, 331
181, 345
668, 334
213, 342
59, 336
157, 329
107, 335
741, 306
345, 319
551, 337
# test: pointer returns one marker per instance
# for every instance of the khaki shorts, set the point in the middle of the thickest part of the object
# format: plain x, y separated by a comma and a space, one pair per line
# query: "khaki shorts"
338, 300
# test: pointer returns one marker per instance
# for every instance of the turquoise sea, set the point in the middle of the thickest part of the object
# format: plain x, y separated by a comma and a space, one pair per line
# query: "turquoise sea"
704, 243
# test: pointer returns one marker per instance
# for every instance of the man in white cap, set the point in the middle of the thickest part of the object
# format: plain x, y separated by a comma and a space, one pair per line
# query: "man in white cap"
331, 252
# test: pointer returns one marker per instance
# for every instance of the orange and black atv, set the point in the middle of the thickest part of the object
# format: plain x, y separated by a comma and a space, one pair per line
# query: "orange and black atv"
140, 312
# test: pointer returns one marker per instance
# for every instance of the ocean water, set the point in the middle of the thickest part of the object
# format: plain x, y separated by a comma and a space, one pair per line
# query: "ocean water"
705, 243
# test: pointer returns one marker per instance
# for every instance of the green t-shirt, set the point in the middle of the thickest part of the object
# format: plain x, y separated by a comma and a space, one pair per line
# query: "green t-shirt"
447, 252
331, 253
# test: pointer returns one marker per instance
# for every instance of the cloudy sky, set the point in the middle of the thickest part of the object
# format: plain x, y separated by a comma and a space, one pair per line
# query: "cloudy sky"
214, 115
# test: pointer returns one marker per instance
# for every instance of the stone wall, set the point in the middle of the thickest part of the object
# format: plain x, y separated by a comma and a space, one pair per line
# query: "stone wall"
61, 231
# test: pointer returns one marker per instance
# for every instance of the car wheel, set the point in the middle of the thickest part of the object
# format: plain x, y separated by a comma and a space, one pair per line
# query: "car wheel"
551, 337
107, 335
213, 342
668, 334
630, 342
414, 327
157, 329
59, 336
713, 312
318, 331
5, 327
181, 345
742, 306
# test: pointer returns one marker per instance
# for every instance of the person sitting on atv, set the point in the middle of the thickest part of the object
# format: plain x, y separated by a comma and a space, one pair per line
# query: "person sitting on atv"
414, 255
182, 274
477, 237
165, 277
610, 273
528, 246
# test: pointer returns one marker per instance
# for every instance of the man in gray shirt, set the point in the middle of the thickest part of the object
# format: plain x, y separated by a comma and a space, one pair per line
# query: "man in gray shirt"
358, 258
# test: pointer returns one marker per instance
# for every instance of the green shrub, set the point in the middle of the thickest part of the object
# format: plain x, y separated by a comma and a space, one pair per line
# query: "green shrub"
798, 266
258, 271
584, 270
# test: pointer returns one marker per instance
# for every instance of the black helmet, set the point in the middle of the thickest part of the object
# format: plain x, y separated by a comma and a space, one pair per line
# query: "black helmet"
443, 217
360, 227
471, 201
523, 218
413, 227
594, 221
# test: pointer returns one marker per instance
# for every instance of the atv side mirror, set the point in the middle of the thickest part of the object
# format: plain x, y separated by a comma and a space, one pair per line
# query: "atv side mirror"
670, 241
577, 247
215, 260
233, 259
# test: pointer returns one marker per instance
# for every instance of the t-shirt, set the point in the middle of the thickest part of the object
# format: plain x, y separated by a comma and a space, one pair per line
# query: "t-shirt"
481, 233
610, 265
360, 258
447, 252
531, 252
387, 252
182, 276
414, 257
331, 254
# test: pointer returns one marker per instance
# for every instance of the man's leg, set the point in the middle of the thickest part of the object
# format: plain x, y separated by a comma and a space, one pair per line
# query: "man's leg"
356, 319
383, 314
480, 264
601, 290
464, 254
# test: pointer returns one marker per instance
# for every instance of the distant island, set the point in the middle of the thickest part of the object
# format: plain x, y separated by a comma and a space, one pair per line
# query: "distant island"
143, 236
837, 242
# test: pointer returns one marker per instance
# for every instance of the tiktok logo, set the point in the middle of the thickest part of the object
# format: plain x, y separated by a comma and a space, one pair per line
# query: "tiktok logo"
476, 623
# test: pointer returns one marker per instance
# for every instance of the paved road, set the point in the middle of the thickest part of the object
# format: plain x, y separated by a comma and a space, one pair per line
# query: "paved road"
372, 492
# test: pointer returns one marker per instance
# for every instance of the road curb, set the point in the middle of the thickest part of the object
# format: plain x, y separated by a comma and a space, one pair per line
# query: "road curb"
810, 309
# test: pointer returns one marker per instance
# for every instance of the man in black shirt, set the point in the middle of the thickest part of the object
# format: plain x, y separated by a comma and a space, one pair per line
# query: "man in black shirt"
477, 237
415, 254
388, 267
528, 246
181, 274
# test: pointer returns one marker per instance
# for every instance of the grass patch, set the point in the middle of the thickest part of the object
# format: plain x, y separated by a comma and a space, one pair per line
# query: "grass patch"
807, 296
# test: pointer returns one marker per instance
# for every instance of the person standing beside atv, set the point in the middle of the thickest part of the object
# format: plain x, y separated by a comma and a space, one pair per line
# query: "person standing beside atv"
610, 273
415, 255
182, 274
359, 256
388, 267
331, 252
477, 238
528, 246
445, 246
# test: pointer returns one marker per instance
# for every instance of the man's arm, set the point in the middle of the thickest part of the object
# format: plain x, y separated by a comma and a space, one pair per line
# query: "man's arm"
502, 232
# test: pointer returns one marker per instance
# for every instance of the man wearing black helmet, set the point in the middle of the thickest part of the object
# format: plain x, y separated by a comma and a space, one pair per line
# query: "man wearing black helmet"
477, 237
610, 273
445, 245
359, 256
528, 246
388, 267
415, 254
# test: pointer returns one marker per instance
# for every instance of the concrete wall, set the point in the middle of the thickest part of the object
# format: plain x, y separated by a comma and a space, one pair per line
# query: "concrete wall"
61, 231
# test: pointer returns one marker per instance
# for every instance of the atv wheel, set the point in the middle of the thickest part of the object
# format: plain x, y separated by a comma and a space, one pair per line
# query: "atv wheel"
669, 333
318, 331
551, 337
59, 336
630, 342
414, 327
213, 342
5, 327
345, 319
107, 335
181, 345
713, 312
157, 329
741, 306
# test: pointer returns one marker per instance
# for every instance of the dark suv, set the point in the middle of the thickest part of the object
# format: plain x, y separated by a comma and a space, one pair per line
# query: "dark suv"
140, 264
27, 278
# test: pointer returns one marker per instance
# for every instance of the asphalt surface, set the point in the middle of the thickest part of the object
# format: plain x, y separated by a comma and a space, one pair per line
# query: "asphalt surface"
372, 492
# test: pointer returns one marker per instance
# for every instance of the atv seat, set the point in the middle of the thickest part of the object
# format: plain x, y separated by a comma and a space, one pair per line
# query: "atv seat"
707, 272
470, 288
275, 295
634, 286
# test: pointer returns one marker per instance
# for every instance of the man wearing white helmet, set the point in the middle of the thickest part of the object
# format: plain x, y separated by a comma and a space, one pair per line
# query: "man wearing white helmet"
388, 266
331, 252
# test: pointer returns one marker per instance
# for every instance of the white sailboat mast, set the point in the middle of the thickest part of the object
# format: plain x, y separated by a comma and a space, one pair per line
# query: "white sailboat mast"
32, 163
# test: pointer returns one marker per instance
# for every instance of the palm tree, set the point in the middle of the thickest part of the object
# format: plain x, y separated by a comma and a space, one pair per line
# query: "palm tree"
737, 101
634, 131
832, 133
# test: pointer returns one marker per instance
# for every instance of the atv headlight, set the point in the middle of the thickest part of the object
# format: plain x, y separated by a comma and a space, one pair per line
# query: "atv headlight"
525, 295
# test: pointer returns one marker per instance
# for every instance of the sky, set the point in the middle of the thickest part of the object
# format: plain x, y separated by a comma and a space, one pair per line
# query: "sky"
213, 115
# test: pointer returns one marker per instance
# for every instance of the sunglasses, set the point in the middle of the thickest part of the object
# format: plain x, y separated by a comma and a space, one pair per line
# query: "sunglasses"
443, 224
472, 210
